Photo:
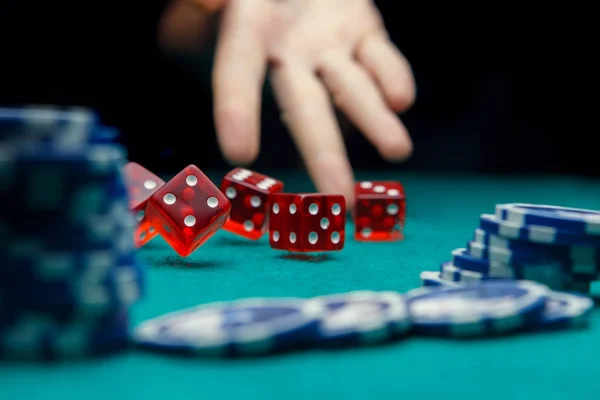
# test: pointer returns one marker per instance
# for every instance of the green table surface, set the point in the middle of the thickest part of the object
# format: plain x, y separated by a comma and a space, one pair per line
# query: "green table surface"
443, 210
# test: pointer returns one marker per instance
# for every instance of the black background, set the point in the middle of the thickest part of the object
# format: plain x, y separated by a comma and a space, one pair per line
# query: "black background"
496, 90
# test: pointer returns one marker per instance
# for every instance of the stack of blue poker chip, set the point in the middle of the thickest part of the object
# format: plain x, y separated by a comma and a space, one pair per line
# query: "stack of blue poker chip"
556, 246
68, 268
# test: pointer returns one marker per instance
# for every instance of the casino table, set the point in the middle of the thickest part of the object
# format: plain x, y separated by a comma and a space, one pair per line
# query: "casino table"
443, 211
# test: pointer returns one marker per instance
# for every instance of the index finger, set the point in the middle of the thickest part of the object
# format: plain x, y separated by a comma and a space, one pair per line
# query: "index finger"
309, 115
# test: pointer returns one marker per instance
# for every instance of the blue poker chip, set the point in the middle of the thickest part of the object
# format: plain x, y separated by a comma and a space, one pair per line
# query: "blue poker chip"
535, 233
433, 278
38, 337
39, 268
102, 159
452, 273
362, 318
99, 290
476, 310
44, 183
112, 230
551, 274
532, 252
498, 257
465, 261
580, 221
67, 127
237, 328
566, 310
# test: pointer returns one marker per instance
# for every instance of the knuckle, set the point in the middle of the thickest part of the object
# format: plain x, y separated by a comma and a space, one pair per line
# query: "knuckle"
291, 50
341, 98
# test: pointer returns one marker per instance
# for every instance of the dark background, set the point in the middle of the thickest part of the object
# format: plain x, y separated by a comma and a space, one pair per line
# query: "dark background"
493, 92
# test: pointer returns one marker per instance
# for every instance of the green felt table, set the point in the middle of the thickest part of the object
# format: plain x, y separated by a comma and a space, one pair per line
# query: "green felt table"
443, 210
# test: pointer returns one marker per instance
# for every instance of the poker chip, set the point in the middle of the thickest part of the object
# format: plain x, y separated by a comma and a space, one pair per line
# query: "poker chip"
475, 310
362, 318
66, 127
67, 254
528, 251
551, 274
566, 310
563, 259
580, 221
118, 287
535, 233
452, 273
238, 328
433, 278
38, 337
552, 245
500, 258
485, 267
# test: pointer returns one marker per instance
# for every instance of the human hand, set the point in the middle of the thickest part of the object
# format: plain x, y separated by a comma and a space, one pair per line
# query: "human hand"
322, 53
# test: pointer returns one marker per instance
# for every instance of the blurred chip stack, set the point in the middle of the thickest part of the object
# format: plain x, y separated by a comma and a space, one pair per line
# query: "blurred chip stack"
68, 267
553, 245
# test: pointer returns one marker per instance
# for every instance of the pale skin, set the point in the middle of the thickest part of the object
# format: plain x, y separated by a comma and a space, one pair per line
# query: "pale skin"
320, 55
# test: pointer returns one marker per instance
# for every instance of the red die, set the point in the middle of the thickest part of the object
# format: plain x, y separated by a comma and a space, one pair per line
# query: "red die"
380, 211
249, 192
307, 222
141, 184
188, 210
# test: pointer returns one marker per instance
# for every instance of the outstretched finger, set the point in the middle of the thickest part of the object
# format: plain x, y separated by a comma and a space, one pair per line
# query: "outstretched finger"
310, 117
238, 76
355, 93
390, 69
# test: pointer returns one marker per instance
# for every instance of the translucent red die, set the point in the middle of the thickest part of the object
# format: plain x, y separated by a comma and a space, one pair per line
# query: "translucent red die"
141, 185
307, 222
188, 210
249, 192
380, 211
